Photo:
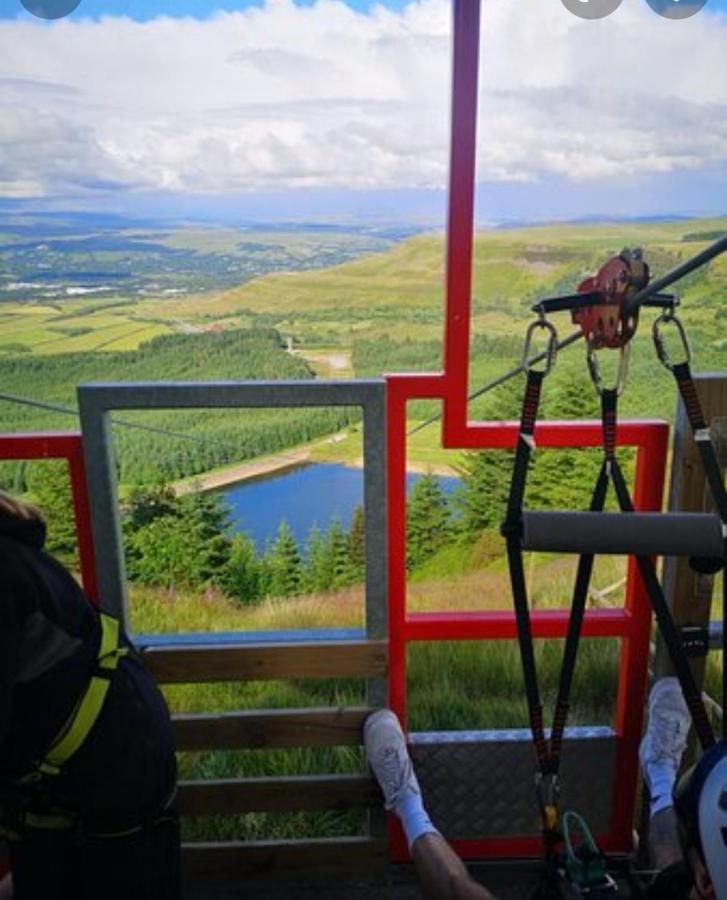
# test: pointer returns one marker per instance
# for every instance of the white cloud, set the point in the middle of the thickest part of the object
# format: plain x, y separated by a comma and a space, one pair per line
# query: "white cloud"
285, 97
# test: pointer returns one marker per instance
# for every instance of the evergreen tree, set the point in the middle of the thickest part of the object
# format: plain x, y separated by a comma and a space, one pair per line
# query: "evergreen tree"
144, 504
428, 520
50, 488
283, 559
168, 553
337, 550
482, 497
318, 570
357, 545
208, 517
196, 529
564, 479
242, 576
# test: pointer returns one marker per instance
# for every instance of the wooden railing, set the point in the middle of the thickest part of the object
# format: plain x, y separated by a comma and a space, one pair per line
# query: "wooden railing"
230, 861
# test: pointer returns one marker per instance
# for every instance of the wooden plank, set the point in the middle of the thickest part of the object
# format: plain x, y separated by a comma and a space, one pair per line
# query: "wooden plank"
315, 727
230, 796
231, 862
688, 593
267, 662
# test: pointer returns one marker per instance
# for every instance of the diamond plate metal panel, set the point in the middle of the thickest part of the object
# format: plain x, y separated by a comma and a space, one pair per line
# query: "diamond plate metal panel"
479, 784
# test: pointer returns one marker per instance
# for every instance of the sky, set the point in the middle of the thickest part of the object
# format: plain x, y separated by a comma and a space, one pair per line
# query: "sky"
325, 109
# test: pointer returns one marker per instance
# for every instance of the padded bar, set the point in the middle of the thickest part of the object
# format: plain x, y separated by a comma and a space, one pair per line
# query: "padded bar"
643, 534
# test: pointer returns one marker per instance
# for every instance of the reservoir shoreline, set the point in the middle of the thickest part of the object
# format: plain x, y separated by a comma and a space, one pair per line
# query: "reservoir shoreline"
290, 459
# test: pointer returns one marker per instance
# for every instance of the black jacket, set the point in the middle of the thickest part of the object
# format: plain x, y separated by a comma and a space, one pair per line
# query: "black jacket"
49, 637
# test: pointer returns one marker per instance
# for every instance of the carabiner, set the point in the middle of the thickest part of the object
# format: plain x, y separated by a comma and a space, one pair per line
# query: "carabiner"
669, 316
550, 352
547, 787
594, 368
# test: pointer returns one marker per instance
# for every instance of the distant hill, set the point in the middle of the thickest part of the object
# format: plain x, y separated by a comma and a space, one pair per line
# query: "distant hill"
214, 437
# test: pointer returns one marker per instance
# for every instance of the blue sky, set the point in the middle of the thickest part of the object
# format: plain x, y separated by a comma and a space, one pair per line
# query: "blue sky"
295, 109
143, 10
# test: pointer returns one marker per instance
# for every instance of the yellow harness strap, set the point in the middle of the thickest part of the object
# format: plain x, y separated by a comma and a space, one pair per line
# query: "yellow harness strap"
88, 709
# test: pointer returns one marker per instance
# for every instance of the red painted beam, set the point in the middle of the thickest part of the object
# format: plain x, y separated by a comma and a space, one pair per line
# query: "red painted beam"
499, 625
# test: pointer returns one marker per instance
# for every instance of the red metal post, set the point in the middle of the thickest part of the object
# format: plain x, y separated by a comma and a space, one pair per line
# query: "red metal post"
460, 212
634, 659
65, 445
631, 623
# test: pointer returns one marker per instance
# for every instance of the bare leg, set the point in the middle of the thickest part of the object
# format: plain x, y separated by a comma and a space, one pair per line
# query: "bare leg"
664, 846
442, 873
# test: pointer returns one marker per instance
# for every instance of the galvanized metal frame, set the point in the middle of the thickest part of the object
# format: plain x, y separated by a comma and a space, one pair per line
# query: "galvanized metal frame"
97, 401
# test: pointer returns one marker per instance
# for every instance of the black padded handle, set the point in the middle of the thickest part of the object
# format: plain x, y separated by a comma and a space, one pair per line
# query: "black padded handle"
642, 534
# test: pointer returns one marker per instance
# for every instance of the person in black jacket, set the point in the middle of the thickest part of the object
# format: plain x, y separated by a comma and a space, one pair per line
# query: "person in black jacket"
87, 765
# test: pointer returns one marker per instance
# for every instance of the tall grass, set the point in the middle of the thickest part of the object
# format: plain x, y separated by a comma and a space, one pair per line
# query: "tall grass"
452, 685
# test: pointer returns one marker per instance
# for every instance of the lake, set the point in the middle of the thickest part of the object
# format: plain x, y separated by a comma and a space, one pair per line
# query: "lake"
308, 494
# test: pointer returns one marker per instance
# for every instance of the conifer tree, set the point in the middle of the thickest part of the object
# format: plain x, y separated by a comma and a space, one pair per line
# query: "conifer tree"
337, 549
285, 564
318, 569
357, 545
428, 520
485, 474
50, 488
242, 577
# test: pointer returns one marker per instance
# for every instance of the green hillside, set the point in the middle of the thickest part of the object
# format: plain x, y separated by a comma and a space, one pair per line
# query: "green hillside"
379, 313
214, 437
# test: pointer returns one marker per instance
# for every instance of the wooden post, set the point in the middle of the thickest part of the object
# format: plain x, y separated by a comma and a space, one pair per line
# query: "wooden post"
688, 593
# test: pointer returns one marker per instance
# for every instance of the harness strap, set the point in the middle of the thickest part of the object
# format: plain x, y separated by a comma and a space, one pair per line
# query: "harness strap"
669, 631
84, 716
713, 474
512, 530
575, 625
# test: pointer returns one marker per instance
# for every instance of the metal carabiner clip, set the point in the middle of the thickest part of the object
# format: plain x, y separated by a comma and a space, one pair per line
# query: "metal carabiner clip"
594, 368
667, 317
547, 787
551, 351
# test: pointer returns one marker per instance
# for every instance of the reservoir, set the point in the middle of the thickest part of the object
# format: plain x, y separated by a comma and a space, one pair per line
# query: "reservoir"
305, 495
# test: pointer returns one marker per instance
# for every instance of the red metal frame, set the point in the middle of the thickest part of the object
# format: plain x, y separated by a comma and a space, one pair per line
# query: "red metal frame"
631, 623
63, 445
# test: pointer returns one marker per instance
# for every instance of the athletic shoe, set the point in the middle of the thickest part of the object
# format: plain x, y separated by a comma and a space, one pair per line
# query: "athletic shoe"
668, 727
389, 758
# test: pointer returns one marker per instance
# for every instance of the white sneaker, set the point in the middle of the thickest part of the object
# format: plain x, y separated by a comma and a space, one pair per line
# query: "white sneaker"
388, 757
668, 727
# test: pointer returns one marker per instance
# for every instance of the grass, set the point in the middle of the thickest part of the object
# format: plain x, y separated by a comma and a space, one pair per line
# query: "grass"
460, 685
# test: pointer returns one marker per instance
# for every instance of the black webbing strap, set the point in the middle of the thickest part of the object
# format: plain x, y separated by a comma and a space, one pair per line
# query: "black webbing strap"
713, 475
548, 754
512, 530
575, 625
669, 631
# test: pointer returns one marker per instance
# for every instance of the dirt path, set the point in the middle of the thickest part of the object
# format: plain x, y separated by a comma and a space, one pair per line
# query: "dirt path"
279, 462
329, 364
243, 472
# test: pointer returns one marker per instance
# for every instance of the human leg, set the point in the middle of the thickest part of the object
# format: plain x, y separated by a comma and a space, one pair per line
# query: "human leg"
441, 872
661, 754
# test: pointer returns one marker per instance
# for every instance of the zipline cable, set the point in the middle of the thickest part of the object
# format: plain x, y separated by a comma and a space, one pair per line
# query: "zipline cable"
632, 304
68, 410
496, 382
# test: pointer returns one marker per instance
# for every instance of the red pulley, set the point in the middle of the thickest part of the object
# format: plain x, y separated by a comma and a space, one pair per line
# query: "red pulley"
604, 323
